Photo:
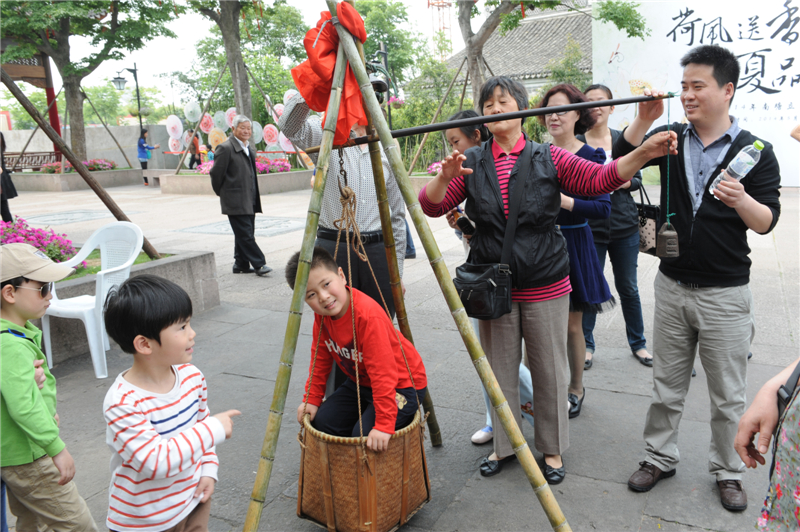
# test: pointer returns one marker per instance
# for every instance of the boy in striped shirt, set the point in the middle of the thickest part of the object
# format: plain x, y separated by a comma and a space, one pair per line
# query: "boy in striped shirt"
163, 466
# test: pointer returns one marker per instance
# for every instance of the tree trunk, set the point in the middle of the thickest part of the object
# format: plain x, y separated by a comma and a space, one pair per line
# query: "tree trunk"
474, 41
74, 100
476, 70
228, 22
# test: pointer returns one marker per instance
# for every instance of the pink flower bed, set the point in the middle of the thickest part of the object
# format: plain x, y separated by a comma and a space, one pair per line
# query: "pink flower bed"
58, 247
264, 165
94, 165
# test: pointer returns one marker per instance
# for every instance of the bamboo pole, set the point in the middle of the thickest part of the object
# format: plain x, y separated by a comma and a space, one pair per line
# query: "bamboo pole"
25, 147
391, 258
464, 92
435, 116
487, 68
523, 452
271, 110
64, 135
525, 113
258, 496
197, 125
105, 126
76, 163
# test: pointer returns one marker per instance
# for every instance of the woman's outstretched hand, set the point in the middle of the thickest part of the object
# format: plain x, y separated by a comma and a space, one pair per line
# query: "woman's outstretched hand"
660, 144
451, 166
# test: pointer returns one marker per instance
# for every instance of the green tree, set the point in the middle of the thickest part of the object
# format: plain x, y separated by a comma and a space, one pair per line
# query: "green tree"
20, 119
562, 70
507, 16
384, 21
423, 95
114, 27
279, 30
106, 100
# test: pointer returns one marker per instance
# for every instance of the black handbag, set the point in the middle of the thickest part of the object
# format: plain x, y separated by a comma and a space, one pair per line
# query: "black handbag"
485, 289
649, 215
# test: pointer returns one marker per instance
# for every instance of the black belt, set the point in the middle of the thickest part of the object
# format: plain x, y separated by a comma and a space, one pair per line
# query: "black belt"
367, 237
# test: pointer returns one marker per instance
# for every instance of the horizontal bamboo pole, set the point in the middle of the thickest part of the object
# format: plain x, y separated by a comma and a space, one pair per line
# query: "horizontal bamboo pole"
523, 452
452, 124
79, 167
276, 410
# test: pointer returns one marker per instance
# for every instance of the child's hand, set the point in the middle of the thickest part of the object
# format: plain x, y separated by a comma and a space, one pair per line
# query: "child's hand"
65, 465
38, 375
58, 421
227, 422
311, 410
205, 488
378, 441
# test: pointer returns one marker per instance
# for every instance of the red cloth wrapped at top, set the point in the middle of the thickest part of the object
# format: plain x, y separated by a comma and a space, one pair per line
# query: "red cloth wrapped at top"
314, 76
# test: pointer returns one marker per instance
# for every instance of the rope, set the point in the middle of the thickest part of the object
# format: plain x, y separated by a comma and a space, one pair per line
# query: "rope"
669, 123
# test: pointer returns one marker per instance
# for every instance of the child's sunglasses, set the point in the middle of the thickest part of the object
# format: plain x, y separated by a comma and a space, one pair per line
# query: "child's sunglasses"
44, 290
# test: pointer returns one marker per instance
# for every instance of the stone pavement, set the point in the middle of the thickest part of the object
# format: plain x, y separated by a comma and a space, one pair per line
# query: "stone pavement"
238, 346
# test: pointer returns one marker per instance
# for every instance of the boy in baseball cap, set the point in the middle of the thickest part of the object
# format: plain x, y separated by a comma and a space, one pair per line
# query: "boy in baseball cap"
34, 462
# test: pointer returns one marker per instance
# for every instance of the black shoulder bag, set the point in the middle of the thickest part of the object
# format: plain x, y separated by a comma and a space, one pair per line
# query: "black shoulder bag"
485, 289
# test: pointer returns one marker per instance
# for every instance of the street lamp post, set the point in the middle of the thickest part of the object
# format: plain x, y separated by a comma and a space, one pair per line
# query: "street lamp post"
119, 84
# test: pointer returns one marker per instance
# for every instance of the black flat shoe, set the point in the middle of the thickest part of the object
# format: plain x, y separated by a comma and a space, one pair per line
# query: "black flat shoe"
554, 475
694, 372
239, 269
644, 361
575, 404
588, 364
489, 468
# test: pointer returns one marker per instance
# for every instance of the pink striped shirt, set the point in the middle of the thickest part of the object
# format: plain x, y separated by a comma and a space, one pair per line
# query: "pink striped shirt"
575, 174
162, 444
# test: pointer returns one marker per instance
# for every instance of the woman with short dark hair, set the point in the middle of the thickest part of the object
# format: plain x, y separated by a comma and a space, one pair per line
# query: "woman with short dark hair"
618, 236
484, 176
590, 293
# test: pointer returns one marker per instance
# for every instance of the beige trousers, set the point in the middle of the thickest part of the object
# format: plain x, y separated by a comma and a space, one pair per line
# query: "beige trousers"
39, 503
197, 521
543, 326
717, 323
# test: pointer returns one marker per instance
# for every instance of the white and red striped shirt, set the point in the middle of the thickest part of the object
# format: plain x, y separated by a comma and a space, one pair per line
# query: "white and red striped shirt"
161, 445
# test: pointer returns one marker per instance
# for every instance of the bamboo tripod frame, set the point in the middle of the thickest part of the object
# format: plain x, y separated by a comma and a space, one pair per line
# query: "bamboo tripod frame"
347, 47
523, 452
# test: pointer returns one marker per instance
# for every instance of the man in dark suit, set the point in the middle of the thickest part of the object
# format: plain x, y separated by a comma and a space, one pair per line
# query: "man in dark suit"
235, 181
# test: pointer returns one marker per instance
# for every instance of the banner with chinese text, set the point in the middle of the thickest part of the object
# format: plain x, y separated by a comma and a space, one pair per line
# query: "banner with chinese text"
763, 35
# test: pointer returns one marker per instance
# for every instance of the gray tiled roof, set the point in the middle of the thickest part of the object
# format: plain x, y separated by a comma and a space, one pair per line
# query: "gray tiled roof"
525, 51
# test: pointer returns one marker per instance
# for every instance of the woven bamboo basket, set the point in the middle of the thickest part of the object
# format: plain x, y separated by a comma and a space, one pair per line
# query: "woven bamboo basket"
337, 490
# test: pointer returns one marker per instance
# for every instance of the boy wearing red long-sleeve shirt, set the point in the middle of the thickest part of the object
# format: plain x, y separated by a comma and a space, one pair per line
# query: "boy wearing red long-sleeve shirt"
389, 395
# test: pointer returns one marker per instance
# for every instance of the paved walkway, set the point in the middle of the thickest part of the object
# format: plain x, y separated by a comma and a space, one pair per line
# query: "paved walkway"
239, 343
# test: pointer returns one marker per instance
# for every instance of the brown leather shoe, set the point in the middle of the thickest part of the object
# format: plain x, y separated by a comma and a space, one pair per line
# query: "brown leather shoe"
647, 476
732, 495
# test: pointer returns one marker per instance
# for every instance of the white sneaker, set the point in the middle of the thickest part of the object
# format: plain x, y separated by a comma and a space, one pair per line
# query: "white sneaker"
484, 435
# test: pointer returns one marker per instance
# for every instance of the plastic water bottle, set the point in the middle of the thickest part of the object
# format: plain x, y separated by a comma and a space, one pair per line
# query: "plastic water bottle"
744, 161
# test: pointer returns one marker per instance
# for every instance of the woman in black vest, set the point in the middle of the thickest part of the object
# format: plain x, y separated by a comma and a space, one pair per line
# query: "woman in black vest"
539, 265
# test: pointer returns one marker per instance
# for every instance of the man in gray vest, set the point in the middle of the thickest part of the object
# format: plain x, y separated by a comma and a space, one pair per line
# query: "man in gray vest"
235, 181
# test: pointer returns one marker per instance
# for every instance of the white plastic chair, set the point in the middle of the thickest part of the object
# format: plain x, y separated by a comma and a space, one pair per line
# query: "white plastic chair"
120, 244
